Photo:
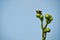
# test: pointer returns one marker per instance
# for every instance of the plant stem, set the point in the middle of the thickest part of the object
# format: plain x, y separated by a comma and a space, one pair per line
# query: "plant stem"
43, 38
42, 25
46, 25
42, 31
46, 32
43, 34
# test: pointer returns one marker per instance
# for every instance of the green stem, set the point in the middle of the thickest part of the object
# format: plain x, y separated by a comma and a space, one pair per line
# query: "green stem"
43, 38
46, 32
43, 34
42, 30
42, 25
46, 25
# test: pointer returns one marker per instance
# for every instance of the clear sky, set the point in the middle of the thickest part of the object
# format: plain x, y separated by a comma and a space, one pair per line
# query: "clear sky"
18, 20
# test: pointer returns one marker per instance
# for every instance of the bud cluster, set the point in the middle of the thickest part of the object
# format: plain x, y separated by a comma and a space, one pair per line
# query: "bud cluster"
48, 18
39, 15
47, 30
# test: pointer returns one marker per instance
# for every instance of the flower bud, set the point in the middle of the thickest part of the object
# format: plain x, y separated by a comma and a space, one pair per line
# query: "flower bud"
47, 16
41, 17
51, 18
38, 15
48, 30
45, 30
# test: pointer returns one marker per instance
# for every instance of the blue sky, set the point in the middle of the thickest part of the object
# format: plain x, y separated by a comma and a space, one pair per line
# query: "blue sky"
18, 20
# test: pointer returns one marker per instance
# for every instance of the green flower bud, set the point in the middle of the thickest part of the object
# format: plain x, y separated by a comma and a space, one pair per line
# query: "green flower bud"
47, 16
45, 30
48, 30
51, 18
41, 17
38, 11
38, 15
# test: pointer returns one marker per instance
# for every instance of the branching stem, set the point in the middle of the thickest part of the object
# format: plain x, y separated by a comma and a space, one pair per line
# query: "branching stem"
43, 33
